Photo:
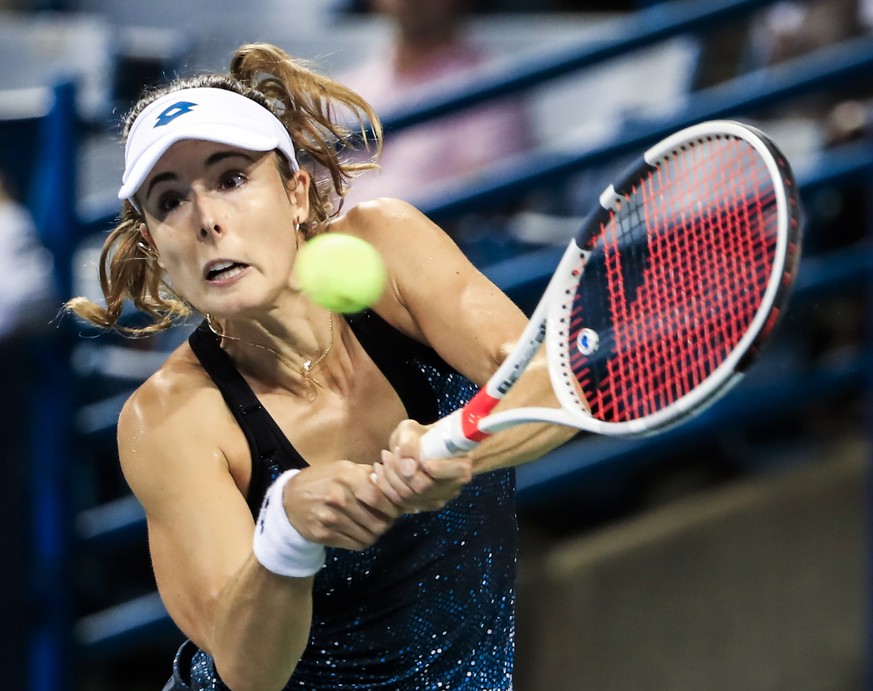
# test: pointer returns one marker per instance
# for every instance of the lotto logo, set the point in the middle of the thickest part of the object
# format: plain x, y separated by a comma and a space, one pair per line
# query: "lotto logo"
172, 112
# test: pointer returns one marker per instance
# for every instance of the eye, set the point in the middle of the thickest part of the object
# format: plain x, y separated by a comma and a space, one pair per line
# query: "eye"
232, 179
168, 202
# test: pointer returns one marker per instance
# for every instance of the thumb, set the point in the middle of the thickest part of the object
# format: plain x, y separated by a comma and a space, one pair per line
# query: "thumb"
406, 438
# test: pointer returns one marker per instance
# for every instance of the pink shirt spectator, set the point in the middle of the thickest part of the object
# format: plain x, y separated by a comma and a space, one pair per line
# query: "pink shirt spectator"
417, 161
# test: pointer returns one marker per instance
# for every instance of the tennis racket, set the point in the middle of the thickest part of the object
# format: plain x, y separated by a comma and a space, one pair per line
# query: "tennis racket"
664, 297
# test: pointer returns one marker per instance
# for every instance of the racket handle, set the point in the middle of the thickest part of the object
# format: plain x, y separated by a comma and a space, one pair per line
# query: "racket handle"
446, 438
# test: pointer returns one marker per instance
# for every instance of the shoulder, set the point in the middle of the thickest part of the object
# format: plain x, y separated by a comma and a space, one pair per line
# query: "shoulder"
174, 414
178, 384
370, 216
435, 292
394, 227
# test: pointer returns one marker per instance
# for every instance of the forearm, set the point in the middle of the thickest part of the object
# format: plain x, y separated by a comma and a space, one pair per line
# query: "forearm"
518, 445
261, 628
523, 443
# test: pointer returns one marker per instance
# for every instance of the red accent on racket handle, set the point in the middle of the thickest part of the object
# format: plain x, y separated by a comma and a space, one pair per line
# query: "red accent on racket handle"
459, 432
479, 406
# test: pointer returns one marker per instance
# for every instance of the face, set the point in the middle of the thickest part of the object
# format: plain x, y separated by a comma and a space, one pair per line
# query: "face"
222, 221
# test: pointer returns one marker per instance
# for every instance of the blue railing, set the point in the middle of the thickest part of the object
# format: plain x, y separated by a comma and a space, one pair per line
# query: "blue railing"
639, 30
52, 436
826, 69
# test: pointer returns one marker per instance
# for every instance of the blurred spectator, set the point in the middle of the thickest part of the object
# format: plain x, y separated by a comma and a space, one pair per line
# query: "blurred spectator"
26, 278
430, 51
26, 307
836, 215
789, 30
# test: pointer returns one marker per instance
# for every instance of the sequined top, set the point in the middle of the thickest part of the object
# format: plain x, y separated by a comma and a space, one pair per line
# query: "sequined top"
431, 604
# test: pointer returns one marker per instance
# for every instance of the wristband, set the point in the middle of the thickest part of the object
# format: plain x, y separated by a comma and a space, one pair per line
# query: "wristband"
277, 544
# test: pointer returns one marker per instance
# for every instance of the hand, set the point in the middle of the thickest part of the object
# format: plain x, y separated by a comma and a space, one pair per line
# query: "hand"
337, 505
418, 485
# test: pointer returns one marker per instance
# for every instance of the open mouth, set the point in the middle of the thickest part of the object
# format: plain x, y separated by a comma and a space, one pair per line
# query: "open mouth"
222, 271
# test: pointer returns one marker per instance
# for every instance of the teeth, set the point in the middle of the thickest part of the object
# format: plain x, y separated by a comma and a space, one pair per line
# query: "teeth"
233, 272
226, 269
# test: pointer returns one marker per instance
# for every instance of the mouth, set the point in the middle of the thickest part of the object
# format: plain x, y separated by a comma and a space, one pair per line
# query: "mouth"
223, 270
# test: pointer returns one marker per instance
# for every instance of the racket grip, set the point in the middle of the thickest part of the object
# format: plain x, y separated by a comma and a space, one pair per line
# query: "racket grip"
446, 438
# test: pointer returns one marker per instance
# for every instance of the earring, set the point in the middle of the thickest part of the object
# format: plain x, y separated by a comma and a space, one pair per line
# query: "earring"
148, 250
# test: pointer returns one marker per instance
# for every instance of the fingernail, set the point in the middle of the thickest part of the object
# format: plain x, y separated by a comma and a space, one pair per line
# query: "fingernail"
408, 466
385, 455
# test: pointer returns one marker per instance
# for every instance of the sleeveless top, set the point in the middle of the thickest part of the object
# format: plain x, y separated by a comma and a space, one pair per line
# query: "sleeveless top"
431, 604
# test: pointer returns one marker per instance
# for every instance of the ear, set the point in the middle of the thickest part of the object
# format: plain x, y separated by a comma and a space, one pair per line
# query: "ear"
298, 194
147, 237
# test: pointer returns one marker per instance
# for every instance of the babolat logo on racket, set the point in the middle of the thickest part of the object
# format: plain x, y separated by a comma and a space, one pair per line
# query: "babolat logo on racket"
172, 112
587, 342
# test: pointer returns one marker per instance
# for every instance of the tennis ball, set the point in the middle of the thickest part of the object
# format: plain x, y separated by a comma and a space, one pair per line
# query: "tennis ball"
340, 272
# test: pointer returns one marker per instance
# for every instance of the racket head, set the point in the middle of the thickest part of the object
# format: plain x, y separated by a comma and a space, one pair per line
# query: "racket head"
677, 280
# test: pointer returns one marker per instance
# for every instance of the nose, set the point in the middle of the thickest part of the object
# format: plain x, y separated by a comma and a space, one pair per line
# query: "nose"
208, 217
206, 230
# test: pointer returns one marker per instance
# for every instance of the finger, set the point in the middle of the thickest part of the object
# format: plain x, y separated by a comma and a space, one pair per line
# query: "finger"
459, 468
404, 465
424, 492
394, 480
411, 505
448, 475
421, 491
374, 498
351, 528
333, 530
358, 487
347, 511
382, 483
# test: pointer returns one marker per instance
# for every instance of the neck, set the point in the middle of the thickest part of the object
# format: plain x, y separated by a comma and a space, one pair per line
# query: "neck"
267, 348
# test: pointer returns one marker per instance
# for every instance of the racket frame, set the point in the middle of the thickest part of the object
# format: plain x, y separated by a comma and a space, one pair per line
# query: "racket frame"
464, 429
732, 369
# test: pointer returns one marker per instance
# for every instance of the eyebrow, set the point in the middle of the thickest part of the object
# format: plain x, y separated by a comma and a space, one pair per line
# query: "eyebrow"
215, 158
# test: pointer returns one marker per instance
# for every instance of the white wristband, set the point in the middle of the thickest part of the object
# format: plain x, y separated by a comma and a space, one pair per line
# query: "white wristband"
277, 544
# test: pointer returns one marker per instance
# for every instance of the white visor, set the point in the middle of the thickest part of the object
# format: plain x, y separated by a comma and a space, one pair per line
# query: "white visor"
207, 114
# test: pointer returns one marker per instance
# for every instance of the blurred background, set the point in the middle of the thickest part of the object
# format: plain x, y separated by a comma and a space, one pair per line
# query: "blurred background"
729, 554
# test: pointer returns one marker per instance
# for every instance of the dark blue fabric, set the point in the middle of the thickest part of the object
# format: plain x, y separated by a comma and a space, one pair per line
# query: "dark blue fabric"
431, 605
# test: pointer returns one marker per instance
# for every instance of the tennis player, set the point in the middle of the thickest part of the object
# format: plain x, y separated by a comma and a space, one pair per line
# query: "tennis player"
297, 540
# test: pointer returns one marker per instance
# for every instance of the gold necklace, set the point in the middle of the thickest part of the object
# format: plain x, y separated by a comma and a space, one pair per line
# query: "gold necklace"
308, 365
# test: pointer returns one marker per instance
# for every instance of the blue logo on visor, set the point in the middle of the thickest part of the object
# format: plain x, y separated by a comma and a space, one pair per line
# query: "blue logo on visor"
174, 111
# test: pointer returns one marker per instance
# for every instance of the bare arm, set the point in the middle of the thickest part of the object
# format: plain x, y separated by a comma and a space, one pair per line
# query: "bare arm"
254, 623
438, 297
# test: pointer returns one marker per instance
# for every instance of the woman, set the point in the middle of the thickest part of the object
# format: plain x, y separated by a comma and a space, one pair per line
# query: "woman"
368, 569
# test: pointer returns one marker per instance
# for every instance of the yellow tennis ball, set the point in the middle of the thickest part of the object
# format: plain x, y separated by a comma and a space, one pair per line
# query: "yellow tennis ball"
340, 272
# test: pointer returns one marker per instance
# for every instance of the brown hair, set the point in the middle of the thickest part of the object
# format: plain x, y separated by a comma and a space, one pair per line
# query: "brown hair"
311, 106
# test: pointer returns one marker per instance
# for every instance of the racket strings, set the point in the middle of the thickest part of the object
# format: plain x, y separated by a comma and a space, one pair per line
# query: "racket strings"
686, 256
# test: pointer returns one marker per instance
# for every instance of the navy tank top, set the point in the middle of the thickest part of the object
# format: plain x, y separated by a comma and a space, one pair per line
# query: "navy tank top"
431, 604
